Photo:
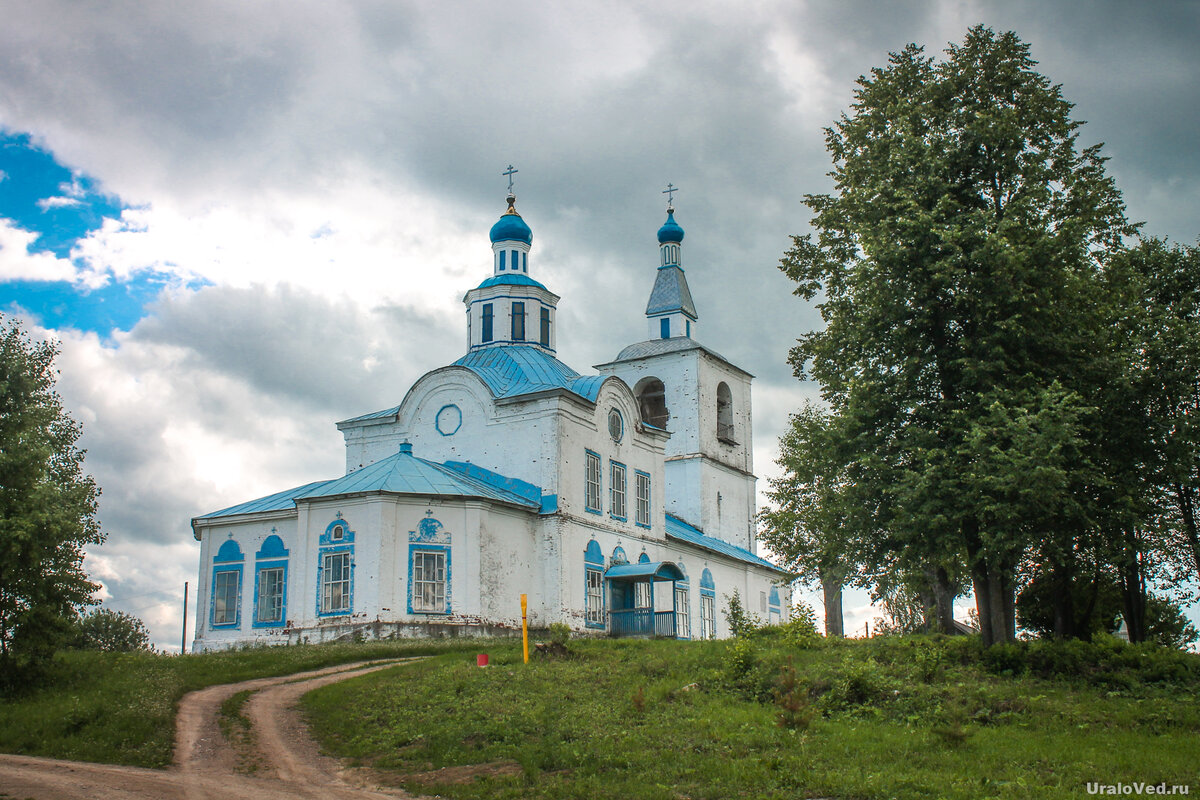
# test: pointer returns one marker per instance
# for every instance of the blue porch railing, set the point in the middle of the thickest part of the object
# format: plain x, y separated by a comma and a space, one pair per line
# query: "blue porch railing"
642, 622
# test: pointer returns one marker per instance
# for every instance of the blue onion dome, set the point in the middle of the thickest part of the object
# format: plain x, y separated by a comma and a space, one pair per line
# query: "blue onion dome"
670, 231
510, 227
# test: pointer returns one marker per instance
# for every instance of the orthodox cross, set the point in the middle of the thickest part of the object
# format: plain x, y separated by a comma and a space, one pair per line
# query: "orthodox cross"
509, 172
670, 193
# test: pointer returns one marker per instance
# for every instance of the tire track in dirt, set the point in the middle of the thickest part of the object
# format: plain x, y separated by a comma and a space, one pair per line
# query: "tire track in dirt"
289, 762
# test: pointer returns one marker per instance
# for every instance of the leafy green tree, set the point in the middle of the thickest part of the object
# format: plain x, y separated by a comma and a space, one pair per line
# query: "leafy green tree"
47, 508
806, 527
110, 631
957, 264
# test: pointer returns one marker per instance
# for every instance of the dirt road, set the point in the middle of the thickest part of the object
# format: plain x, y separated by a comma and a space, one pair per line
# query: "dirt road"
287, 762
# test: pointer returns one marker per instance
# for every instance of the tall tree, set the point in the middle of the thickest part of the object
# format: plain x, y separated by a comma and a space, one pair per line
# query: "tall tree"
47, 507
956, 259
807, 526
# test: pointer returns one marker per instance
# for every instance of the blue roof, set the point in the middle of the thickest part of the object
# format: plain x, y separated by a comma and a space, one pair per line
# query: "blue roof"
280, 501
671, 293
511, 228
511, 279
678, 529
515, 370
404, 473
670, 231
385, 414
655, 570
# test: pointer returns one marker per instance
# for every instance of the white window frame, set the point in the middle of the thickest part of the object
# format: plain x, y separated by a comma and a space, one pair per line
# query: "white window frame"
618, 507
429, 581
592, 482
708, 616
642, 596
595, 596
642, 506
270, 602
225, 603
683, 613
331, 582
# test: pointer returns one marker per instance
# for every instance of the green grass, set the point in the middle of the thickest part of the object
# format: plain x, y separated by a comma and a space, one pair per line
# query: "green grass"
905, 718
120, 708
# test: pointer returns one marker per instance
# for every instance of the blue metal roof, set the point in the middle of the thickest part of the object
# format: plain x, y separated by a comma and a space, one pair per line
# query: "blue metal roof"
404, 473
655, 570
671, 293
515, 370
387, 412
678, 529
511, 279
280, 501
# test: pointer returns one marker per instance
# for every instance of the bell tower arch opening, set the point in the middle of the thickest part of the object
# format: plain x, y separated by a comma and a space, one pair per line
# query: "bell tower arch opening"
652, 402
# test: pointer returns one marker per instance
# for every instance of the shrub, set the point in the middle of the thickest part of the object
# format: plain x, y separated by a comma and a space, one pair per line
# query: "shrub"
110, 632
741, 622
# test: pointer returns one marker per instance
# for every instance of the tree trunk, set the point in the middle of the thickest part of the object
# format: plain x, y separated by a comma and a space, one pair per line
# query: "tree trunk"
831, 588
944, 590
1061, 575
1185, 498
1133, 589
1000, 603
991, 612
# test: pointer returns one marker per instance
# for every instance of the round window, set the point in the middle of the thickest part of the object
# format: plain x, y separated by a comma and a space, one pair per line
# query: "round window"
449, 420
616, 425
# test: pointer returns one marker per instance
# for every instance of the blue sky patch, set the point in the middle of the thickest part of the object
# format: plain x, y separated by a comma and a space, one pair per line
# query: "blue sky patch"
40, 195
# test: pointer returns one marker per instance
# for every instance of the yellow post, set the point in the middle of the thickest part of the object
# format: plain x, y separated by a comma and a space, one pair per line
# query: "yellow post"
525, 626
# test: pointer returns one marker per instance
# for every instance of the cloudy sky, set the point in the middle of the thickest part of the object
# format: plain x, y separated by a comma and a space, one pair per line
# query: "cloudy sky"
244, 221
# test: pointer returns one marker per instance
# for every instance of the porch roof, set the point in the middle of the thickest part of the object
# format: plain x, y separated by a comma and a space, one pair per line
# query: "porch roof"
654, 570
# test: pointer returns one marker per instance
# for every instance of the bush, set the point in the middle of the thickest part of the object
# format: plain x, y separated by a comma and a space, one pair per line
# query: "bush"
741, 622
110, 632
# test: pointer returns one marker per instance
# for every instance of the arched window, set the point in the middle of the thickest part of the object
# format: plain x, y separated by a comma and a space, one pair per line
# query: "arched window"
708, 603
593, 570
226, 608
270, 584
725, 413
652, 402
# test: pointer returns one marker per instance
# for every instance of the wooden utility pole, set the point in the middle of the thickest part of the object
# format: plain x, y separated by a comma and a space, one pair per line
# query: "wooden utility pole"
183, 638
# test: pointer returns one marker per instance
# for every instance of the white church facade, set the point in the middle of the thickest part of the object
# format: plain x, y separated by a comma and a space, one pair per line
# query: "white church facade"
621, 503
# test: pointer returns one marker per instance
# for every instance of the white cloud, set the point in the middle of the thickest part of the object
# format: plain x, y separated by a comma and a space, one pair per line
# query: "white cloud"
18, 264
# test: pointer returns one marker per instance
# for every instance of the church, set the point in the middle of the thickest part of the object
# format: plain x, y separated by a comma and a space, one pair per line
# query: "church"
622, 503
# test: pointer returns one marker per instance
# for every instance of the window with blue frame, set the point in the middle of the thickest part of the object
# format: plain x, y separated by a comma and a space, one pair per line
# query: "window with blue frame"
617, 491
664, 328
593, 562
683, 611
545, 333
642, 502
486, 332
270, 583
518, 321
503, 256
429, 581
775, 612
335, 570
591, 489
429, 568
708, 602
227, 586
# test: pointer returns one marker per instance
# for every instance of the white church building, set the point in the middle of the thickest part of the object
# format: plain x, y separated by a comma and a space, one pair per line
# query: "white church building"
621, 503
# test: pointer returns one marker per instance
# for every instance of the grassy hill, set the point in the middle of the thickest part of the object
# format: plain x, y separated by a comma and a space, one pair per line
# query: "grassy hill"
769, 717
775, 715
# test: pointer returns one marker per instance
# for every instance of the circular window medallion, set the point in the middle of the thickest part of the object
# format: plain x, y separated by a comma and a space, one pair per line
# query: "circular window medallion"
616, 425
449, 420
